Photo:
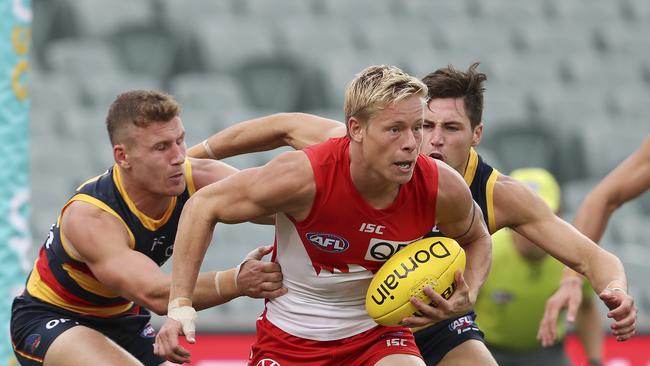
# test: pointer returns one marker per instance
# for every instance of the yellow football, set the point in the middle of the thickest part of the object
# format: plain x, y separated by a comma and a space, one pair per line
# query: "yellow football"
429, 261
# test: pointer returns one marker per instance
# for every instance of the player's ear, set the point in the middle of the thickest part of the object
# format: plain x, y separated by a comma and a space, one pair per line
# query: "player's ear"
355, 128
120, 156
477, 134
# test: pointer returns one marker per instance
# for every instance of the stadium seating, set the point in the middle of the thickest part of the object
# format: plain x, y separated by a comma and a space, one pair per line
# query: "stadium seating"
568, 84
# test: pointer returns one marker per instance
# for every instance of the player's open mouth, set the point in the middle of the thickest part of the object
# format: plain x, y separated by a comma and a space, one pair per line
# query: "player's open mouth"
436, 155
405, 165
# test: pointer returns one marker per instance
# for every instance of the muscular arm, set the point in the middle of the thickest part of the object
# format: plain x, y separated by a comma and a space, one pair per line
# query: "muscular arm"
518, 207
288, 187
297, 130
102, 242
461, 218
205, 171
624, 183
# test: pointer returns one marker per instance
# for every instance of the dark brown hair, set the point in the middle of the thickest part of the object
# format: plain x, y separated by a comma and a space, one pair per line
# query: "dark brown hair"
139, 108
449, 82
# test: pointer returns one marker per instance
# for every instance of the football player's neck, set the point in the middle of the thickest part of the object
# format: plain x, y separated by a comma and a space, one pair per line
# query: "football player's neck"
146, 201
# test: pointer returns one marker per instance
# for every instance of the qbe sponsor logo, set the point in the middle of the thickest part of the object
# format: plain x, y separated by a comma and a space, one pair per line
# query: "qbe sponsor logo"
379, 250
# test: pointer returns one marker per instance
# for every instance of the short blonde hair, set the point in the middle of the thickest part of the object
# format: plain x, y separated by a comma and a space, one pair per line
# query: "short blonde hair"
378, 86
139, 108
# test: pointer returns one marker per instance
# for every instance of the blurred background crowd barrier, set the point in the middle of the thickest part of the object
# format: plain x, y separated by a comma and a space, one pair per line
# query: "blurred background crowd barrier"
568, 89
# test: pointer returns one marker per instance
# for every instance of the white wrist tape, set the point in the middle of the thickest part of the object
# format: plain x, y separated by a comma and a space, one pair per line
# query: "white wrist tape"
185, 314
237, 274
616, 289
252, 255
216, 283
208, 149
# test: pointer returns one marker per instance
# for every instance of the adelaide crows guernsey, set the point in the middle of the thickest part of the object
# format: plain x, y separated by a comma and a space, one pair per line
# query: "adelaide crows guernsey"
63, 280
328, 259
480, 177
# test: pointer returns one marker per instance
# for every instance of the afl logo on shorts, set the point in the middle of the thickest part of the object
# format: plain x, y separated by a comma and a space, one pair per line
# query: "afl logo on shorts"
267, 362
328, 242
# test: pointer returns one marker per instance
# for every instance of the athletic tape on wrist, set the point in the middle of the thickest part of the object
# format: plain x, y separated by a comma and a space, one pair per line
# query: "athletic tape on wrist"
237, 274
208, 149
175, 303
216, 283
616, 289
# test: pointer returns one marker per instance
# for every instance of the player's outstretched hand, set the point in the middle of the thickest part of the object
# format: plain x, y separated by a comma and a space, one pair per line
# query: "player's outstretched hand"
260, 279
439, 309
623, 310
569, 296
167, 342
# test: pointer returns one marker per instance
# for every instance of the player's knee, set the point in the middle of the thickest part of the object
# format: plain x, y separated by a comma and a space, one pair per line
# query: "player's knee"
469, 353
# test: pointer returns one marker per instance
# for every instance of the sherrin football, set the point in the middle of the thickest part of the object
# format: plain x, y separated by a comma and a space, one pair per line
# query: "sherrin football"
429, 261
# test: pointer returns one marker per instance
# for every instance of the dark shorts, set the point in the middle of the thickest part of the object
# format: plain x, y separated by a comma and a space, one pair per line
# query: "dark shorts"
435, 341
35, 325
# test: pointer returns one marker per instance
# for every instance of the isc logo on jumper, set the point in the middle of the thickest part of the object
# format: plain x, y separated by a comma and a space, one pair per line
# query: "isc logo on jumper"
328, 242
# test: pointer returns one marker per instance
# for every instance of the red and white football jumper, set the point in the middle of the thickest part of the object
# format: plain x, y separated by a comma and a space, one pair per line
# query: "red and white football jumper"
329, 258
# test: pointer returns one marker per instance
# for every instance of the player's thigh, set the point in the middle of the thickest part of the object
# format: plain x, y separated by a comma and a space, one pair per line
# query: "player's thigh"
84, 346
469, 353
402, 360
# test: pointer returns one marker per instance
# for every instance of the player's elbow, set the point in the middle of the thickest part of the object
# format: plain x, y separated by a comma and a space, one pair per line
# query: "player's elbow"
200, 208
156, 303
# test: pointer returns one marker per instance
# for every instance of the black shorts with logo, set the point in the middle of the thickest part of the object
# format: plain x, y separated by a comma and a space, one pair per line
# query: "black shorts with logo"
35, 325
435, 341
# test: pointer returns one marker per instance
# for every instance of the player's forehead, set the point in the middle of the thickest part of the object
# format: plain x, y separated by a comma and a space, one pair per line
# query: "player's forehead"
407, 110
159, 131
442, 110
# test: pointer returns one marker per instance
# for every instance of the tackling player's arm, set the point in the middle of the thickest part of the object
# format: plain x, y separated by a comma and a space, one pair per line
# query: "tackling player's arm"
459, 217
101, 240
626, 182
285, 184
297, 130
206, 171
518, 207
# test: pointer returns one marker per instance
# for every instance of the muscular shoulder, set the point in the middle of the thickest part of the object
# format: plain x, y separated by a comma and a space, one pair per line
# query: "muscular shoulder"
207, 171
289, 173
515, 203
452, 189
85, 226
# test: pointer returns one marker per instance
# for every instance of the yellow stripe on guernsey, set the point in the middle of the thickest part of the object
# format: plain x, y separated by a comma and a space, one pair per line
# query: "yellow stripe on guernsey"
89, 181
39, 289
26, 355
472, 164
95, 202
89, 283
189, 179
489, 190
146, 221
